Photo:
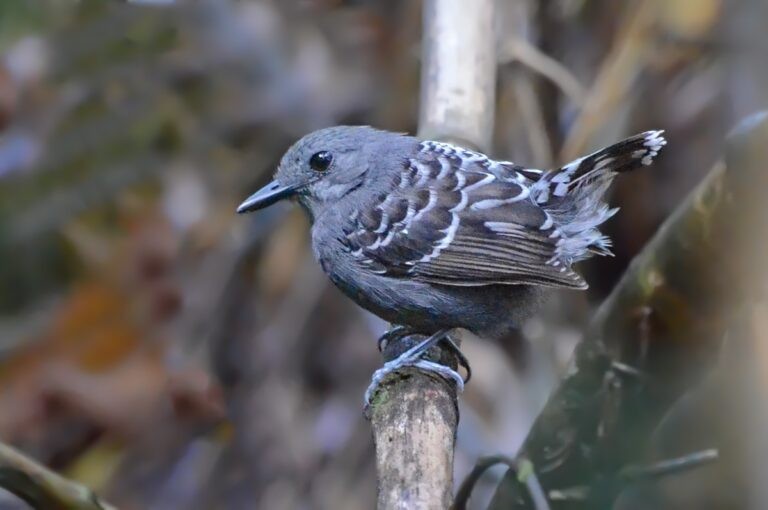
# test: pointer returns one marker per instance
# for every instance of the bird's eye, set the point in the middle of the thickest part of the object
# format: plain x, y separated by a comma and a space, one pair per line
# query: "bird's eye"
320, 161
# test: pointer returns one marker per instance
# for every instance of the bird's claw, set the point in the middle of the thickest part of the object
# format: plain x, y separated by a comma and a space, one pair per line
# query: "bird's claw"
460, 357
399, 332
396, 332
413, 358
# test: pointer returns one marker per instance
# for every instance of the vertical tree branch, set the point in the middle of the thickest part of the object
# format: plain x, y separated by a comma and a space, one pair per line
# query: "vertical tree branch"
414, 417
458, 77
414, 429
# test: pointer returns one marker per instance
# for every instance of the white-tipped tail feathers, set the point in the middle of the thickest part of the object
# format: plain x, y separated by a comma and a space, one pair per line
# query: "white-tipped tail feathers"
574, 194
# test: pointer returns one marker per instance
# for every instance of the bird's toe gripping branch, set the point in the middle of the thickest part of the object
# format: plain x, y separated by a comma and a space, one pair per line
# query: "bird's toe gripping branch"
413, 357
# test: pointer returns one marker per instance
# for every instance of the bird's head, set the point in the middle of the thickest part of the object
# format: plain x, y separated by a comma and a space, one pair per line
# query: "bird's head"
323, 167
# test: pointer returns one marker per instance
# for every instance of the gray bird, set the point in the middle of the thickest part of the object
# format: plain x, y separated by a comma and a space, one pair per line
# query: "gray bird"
433, 236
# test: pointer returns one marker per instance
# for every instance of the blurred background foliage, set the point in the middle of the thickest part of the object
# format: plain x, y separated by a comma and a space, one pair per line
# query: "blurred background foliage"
170, 354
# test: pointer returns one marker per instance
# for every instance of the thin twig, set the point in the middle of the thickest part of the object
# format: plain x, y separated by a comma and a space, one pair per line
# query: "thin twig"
670, 466
523, 470
532, 118
40, 487
520, 50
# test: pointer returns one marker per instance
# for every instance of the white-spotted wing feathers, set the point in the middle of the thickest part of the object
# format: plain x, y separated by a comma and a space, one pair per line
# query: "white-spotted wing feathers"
456, 217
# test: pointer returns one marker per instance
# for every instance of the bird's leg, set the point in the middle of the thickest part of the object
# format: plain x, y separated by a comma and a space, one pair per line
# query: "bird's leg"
413, 357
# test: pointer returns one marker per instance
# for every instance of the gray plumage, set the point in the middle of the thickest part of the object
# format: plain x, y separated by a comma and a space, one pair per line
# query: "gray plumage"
433, 236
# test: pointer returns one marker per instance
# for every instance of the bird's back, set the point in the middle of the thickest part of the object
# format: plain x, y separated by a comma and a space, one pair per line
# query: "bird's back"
448, 237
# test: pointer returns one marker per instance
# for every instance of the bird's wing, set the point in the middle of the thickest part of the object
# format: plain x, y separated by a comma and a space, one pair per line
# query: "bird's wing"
455, 217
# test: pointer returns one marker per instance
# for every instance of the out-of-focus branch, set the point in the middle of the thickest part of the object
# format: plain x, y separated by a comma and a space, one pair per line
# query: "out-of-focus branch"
40, 487
458, 77
518, 49
414, 417
655, 336
627, 58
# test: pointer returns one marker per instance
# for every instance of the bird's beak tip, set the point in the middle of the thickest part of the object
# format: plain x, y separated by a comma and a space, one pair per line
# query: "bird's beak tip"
266, 196
242, 208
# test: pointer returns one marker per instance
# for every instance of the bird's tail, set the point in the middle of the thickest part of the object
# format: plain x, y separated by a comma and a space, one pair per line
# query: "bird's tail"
628, 154
573, 194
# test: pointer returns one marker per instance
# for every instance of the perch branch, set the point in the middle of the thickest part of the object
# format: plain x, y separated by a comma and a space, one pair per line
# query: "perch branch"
657, 334
414, 416
40, 487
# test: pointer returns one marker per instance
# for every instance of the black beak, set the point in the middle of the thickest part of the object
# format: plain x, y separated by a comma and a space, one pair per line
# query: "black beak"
266, 196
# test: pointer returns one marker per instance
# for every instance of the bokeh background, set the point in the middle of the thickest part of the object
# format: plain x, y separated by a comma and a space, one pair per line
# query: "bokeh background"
173, 355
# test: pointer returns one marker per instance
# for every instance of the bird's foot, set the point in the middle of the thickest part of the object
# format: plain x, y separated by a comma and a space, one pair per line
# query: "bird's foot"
400, 332
413, 358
